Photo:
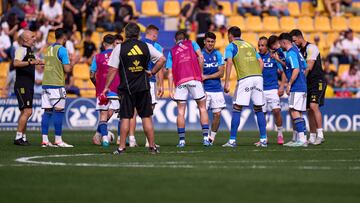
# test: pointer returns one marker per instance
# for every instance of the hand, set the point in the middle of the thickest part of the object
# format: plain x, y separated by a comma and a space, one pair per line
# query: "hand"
288, 89
275, 56
204, 77
160, 92
148, 73
106, 90
172, 94
226, 87
281, 92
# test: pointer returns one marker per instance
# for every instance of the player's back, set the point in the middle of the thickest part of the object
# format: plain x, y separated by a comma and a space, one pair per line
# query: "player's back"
295, 59
102, 68
54, 70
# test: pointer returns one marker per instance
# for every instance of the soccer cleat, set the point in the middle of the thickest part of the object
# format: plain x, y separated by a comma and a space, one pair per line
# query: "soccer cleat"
105, 143
207, 143
147, 145
119, 151
280, 140
154, 150
47, 144
289, 143
211, 140
318, 141
261, 144
21, 142
181, 145
298, 144
63, 144
228, 144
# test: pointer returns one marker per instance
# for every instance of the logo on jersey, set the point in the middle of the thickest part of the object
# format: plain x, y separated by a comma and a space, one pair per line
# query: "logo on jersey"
81, 113
135, 51
211, 65
136, 67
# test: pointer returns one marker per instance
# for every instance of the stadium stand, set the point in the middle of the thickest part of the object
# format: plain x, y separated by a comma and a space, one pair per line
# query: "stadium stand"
171, 8
150, 8
306, 24
253, 23
294, 9
226, 7
237, 21
271, 24
307, 9
322, 24
287, 23
338, 23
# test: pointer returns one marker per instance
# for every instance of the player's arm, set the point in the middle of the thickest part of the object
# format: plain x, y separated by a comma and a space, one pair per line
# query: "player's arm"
157, 58
113, 63
218, 74
19, 56
160, 80
93, 71
65, 60
275, 56
229, 63
168, 67
312, 53
295, 71
199, 55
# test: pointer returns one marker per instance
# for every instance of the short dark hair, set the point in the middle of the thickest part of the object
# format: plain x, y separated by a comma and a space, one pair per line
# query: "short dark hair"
234, 31
132, 30
88, 33
180, 35
263, 38
109, 39
119, 37
59, 33
151, 27
210, 35
297, 33
272, 39
220, 7
285, 36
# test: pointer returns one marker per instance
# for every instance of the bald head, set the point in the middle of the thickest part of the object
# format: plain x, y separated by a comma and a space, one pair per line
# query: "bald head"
28, 38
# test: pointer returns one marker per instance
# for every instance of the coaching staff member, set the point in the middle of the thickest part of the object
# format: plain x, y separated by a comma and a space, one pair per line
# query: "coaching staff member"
24, 63
130, 59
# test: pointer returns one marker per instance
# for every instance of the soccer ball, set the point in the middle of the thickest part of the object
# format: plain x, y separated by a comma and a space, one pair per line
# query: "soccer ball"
97, 138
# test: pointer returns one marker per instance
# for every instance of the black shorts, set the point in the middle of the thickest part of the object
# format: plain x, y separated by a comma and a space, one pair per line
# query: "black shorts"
24, 96
316, 93
139, 100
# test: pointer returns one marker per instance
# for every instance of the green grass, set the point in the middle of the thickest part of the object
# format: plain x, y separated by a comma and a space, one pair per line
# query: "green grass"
326, 173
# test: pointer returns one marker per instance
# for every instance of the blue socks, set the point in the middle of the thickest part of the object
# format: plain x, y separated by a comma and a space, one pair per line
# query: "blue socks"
235, 122
102, 128
205, 131
181, 133
58, 119
299, 124
45, 122
261, 121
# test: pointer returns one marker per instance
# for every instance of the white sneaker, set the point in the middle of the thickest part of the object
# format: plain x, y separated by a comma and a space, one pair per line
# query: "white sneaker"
288, 144
132, 143
298, 144
147, 145
47, 144
63, 144
318, 141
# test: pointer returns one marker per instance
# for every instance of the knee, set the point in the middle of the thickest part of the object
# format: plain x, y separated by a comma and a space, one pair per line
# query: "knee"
27, 112
237, 107
59, 109
216, 115
257, 108
314, 107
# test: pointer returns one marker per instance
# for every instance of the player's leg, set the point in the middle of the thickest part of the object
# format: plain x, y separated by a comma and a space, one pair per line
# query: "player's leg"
103, 128
124, 131
153, 102
180, 96
315, 107
46, 117
57, 99
241, 98
278, 122
312, 125
217, 104
298, 106
132, 140
24, 97
258, 99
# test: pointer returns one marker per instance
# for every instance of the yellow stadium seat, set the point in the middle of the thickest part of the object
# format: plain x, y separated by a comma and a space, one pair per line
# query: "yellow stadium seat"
81, 71
322, 24
329, 92
237, 21
294, 9
331, 37
250, 37
227, 11
96, 38
235, 8
219, 40
356, 4
253, 23
343, 68
306, 24
150, 8
106, 4
4, 69
171, 8
354, 23
321, 36
307, 9
271, 24
338, 23
287, 23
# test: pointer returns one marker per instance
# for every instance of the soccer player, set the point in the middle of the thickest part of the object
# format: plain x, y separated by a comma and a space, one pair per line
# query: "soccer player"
186, 62
316, 86
151, 36
130, 60
296, 87
24, 64
54, 94
98, 73
212, 73
272, 90
248, 65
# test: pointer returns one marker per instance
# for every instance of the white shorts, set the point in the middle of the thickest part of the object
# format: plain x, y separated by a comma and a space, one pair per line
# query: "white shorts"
247, 89
195, 88
215, 101
113, 104
153, 93
272, 100
51, 98
297, 101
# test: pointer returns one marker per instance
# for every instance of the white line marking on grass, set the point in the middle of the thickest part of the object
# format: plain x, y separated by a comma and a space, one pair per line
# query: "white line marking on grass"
291, 149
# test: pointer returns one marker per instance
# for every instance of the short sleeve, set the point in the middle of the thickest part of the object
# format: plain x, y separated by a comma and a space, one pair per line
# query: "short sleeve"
279, 66
293, 60
114, 59
154, 53
93, 66
20, 53
229, 51
220, 58
195, 45
257, 55
312, 52
63, 56
169, 61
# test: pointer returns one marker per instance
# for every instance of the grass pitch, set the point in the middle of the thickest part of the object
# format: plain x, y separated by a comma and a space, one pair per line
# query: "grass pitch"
88, 173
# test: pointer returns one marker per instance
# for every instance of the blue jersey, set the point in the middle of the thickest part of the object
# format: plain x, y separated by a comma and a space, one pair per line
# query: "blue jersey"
212, 61
270, 72
151, 65
295, 60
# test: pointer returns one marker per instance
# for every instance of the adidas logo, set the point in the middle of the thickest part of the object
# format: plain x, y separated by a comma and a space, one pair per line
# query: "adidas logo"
135, 51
